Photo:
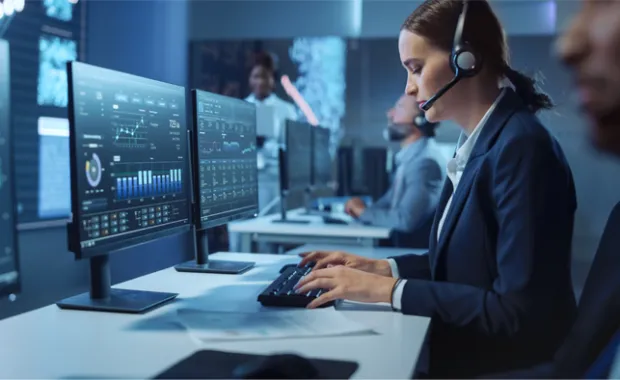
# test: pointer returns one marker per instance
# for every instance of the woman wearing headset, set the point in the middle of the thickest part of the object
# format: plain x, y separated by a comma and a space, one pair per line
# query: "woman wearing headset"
496, 280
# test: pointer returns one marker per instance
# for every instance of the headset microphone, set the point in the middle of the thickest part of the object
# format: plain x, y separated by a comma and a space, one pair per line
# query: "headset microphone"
463, 60
429, 103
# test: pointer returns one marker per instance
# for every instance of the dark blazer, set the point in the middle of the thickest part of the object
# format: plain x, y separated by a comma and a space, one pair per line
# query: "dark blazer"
598, 316
497, 284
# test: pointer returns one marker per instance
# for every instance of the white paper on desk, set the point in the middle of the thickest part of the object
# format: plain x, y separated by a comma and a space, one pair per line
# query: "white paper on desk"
207, 326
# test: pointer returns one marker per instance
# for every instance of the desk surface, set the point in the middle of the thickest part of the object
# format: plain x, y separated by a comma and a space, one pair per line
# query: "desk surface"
316, 227
371, 252
60, 344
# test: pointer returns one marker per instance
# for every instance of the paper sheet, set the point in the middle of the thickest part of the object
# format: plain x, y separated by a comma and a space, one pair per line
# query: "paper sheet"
208, 326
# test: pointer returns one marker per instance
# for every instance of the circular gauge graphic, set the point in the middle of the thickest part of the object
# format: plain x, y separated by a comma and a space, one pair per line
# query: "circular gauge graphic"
93, 171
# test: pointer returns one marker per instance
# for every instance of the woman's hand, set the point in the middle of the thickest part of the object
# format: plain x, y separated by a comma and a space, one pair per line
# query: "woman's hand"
326, 259
346, 283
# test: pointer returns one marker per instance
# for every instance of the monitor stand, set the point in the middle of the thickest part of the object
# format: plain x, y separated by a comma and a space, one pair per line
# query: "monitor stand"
283, 218
202, 264
102, 297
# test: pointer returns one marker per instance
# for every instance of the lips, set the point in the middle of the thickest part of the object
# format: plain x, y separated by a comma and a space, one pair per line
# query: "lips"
421, 103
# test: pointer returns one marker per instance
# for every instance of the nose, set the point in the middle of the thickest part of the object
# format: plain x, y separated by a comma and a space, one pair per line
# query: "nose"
411, 89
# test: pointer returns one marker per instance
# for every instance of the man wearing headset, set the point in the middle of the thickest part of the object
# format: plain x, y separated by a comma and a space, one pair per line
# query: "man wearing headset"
410, 203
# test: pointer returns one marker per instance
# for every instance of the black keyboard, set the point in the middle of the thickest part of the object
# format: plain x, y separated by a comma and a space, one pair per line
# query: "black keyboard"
332, 220
281, 292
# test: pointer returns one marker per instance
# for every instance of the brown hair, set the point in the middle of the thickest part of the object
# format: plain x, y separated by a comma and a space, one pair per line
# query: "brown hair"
484, 33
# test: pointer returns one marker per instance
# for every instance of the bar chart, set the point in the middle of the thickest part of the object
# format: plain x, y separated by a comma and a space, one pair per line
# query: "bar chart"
149, 183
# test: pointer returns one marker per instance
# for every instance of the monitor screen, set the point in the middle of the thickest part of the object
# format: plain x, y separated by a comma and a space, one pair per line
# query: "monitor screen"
129, 159
321, 159
298, 166
9, 274
226, 158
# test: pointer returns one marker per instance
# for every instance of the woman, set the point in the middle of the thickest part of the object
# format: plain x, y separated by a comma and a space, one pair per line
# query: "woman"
496, 280
262, 84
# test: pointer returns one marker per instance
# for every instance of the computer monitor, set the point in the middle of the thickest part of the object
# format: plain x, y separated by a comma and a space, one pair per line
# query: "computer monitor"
321, 158
296, 170
295, 161
9, 264
225, 172
129, 175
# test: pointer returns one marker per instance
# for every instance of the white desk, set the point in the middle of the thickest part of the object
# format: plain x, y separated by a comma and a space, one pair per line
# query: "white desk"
370, 252
58, 344
263, 229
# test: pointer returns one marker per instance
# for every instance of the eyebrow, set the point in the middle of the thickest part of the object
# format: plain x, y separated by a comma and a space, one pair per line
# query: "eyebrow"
409, 61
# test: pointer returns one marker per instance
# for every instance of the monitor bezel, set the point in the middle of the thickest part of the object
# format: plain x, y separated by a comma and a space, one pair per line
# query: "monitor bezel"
73, 228
287, 185
16, 287
198, 222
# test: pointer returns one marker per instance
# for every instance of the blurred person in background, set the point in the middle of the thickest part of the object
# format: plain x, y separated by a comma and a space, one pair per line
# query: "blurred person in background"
409, 205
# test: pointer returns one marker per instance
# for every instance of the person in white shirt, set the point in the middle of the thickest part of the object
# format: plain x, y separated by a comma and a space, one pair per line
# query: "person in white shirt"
496, 280
262, 83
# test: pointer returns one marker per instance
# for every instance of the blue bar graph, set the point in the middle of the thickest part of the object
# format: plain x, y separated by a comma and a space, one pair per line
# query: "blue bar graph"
147, 183
140, 192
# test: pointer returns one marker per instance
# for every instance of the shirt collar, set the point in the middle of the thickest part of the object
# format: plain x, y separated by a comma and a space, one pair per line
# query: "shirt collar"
464, 151
269, 101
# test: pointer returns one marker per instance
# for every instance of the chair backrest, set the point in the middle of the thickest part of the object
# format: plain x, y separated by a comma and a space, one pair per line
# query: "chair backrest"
598, 314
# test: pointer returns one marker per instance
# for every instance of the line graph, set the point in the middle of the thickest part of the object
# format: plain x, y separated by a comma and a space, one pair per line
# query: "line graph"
129, 133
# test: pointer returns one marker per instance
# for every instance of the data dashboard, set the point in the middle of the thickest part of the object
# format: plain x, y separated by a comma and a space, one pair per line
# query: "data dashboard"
131, 155
226, 147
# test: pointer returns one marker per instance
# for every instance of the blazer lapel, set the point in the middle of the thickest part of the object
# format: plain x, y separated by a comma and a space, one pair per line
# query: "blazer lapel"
507, 106
441, 206
456, 206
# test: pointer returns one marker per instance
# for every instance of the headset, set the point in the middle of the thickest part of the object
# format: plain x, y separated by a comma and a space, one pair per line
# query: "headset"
464, 61
399, 132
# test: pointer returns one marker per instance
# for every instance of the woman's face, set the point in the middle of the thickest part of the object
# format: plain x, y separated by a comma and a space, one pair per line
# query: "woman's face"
428, 70
591, 47
261, 82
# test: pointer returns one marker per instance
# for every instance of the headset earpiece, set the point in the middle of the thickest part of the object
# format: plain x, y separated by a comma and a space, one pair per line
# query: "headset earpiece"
464, 60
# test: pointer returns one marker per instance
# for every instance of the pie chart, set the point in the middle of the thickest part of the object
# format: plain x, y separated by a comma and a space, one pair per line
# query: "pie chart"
93, 170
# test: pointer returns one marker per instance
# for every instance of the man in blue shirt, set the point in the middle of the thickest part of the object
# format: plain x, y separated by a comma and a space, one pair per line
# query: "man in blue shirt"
409, 205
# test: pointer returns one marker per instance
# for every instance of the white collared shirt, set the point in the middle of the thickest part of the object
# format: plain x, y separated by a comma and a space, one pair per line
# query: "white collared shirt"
282, 110
455, 169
